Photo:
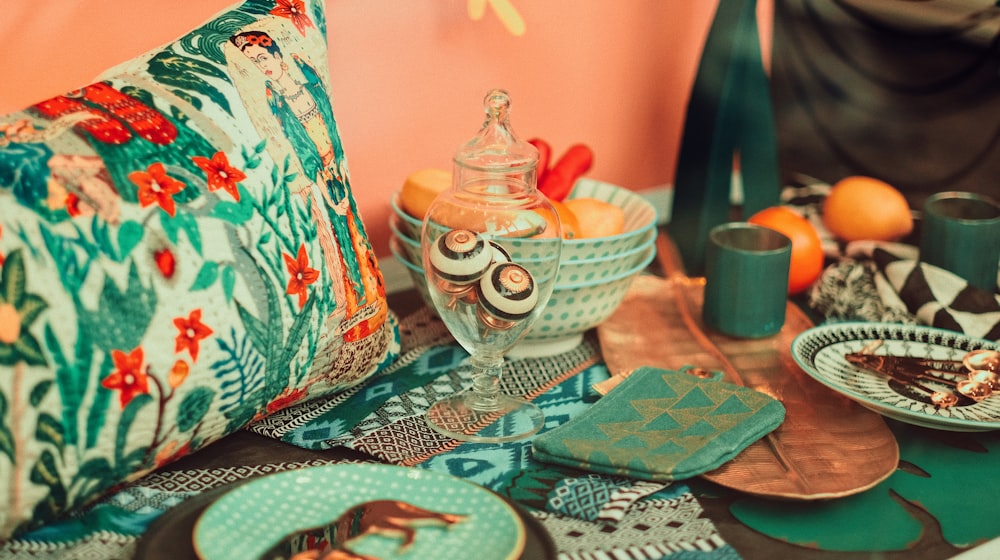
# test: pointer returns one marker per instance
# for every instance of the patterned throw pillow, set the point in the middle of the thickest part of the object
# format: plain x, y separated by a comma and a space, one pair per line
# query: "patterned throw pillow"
181, 254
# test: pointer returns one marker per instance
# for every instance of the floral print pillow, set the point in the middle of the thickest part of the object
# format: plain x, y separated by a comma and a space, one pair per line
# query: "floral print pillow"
180, 254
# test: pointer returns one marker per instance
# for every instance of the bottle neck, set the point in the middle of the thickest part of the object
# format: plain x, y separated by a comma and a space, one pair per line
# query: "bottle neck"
514, 182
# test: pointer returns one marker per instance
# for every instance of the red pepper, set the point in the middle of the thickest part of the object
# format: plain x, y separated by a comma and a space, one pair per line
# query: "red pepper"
544, 154
560, 179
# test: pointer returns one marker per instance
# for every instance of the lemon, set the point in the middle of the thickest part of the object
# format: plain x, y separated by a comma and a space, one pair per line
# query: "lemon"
860, 207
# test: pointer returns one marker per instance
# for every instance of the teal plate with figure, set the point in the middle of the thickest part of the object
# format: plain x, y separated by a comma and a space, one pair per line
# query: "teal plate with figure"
365, 510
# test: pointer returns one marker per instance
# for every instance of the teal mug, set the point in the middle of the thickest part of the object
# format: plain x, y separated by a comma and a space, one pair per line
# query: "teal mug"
746, 280
960, 232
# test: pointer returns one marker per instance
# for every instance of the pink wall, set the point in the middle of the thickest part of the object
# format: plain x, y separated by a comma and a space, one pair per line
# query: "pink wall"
409, 77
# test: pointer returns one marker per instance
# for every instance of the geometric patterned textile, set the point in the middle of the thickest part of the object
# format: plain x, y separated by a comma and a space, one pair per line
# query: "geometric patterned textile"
886, 282
939, 298
622, 499
850, 290
668, 527
597, 497
397, 432
112, 527
884, 286
662, 425
318, 424
389, 425
426, 352
631, 519
583, 497
384, 415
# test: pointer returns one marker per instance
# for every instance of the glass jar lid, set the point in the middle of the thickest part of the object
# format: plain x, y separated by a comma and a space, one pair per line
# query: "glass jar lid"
496, 148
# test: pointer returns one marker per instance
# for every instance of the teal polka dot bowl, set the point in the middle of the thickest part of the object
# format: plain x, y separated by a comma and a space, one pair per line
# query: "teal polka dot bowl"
574, 308
599, 269
594, 274
407, 225
570, 272
639, 227
408, 246
413, 268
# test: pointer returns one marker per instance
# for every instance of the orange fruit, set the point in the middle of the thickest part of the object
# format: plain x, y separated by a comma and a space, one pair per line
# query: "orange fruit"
807, 248
421, 188
570, 225
596, 218
860, 207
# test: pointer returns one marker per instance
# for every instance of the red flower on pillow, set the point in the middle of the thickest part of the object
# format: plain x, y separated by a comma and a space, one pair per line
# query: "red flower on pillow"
287, 398
300, 275
128, 376
294, 10
220, 174
155, 186
192, 331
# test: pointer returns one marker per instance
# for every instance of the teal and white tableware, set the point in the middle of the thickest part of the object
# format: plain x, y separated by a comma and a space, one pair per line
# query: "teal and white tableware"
254, 517
746, 280
822, 353
960, 232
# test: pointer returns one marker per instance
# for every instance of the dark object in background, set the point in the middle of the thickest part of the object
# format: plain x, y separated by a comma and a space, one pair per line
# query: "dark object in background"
728, 125
908, 92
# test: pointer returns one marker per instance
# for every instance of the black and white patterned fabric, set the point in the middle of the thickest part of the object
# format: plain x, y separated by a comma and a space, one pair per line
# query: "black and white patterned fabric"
939, 298
886, 282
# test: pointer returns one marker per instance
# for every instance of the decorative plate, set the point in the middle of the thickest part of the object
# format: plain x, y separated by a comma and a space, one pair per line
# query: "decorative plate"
820, 352
444, 516
168, 537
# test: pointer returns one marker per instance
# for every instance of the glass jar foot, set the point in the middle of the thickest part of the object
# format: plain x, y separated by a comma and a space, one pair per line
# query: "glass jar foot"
462, 418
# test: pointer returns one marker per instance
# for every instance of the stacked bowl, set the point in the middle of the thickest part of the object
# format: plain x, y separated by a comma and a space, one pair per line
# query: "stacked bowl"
594, 273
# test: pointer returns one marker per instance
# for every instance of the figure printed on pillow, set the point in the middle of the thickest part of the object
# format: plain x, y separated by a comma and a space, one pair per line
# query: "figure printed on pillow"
73, 185
297, 101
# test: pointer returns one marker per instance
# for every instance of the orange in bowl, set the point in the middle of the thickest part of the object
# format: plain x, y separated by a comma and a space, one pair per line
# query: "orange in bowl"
807, 248
860, 207
421, 188
567, 219
596, 218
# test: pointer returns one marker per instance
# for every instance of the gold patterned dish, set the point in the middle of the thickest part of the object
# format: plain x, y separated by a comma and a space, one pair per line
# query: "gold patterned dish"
823, 353
379, 511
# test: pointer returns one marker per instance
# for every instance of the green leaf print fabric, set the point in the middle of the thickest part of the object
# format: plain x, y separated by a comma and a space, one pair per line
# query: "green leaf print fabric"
180, 255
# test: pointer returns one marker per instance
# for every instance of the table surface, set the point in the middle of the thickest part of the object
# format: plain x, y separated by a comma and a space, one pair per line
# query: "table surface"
246, 448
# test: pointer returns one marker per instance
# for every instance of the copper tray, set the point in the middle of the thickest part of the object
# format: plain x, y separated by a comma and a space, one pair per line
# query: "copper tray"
828, 445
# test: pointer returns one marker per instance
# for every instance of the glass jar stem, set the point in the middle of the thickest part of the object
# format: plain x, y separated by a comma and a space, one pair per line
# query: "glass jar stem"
486, 370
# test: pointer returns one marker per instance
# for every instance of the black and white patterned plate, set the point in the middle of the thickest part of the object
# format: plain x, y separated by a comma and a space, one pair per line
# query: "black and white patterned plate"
820, 352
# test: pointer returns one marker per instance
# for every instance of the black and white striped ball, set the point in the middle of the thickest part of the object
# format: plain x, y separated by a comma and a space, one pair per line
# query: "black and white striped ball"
507, 291
460, 256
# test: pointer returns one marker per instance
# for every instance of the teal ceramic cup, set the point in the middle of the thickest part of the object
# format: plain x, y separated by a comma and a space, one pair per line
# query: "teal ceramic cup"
960, 232
746, 280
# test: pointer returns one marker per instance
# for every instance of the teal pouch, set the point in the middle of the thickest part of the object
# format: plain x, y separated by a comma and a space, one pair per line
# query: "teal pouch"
662, 425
